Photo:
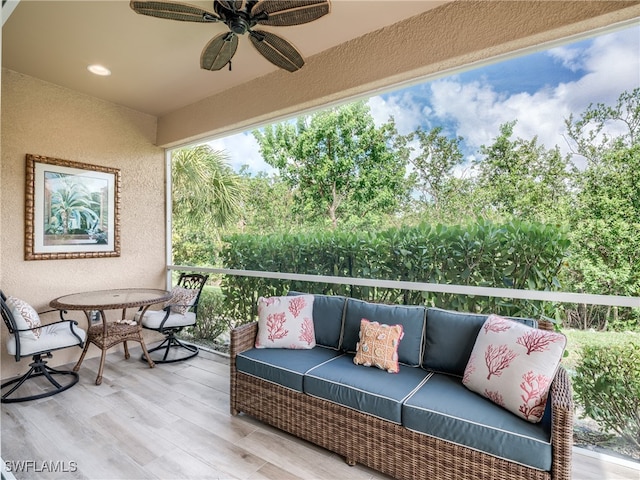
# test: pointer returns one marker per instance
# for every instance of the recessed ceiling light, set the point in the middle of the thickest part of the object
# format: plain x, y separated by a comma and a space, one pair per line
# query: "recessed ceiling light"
99, 70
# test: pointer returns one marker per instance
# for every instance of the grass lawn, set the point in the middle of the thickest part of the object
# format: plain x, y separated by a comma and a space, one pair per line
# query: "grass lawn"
576, 339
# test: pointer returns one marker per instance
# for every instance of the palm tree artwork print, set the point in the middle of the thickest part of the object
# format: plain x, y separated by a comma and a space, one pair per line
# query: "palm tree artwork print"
75, 209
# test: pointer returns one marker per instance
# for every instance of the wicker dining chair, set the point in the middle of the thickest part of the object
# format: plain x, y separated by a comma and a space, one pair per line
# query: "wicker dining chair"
179, 312
27, 338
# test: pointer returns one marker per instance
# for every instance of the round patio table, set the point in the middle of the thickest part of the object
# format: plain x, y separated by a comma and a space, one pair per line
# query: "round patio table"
106, 334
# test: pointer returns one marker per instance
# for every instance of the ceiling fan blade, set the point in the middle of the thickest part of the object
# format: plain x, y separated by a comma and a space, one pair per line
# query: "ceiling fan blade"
234, 5
277, 50
173, 11
219, 51
282, 13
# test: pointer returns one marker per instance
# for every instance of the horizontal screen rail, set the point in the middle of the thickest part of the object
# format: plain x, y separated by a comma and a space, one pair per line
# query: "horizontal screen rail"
562, 297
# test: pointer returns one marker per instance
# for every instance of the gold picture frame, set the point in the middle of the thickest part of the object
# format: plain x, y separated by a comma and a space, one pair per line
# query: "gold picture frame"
72, 210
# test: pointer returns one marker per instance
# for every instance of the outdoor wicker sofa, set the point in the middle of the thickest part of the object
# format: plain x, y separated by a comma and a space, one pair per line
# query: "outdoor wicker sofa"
376, 418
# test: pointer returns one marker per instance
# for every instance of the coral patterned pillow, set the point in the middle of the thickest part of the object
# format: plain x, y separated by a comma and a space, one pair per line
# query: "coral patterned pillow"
513, 365
25, 317
378, 345
286, 322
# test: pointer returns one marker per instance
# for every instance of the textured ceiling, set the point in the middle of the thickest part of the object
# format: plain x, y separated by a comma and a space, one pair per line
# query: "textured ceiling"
155, 62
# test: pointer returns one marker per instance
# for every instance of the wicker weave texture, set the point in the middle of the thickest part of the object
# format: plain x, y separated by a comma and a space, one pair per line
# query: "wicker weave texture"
382, 445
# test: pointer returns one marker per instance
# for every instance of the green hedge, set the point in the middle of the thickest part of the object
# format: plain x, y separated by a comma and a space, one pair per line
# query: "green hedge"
513, 255
607, 385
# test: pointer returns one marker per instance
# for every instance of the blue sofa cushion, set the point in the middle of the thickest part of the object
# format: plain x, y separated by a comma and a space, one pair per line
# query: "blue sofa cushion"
327, 318
412, 319
450, 337
445, 409
283, 366
367, 390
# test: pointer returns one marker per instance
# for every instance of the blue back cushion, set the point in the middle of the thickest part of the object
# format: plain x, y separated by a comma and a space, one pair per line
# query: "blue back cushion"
410, 317
327, 318
450, 338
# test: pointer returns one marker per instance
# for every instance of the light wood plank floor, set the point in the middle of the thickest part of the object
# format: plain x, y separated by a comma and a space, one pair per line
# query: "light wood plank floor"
173, 422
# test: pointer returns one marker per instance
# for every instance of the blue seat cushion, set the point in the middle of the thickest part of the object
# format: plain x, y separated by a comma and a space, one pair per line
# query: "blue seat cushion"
412, 319
327, 318
450, 337
283, 366
365, 389
445, 409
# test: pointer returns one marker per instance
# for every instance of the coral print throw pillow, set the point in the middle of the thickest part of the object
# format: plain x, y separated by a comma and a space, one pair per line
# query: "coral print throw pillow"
513, 365
286, 322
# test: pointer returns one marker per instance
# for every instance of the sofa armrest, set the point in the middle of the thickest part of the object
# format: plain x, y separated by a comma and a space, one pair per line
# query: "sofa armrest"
242, 339
561, 398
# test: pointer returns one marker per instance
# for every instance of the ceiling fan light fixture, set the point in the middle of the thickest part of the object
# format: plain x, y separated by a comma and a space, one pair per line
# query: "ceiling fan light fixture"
240, 16
99, 70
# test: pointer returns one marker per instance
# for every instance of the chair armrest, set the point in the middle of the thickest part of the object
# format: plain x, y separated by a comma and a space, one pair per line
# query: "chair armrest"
139, 316
561, 398
168, 309
72, 326
44, 325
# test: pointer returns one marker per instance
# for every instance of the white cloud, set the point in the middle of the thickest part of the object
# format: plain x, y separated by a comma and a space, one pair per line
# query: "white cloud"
612, 65
475, 108
242, 149
403, 107
569, 57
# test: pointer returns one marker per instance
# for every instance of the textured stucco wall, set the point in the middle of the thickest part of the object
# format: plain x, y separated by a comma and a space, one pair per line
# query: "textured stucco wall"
447, 37
0, 154
44, 119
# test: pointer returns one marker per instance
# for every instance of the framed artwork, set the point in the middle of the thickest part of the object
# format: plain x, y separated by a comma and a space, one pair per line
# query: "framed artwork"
71, 210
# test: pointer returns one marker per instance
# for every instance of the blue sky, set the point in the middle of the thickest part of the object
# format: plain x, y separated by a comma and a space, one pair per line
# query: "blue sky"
538, 90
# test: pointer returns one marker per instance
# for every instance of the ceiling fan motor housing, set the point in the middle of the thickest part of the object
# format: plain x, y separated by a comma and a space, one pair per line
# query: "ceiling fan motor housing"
238, 25
238, 21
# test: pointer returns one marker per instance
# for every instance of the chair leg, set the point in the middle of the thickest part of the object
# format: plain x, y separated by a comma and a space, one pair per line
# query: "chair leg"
39, 368
172, 342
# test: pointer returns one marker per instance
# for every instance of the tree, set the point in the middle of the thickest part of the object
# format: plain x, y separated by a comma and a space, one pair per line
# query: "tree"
523, 179
337, 163
605, 218
594, 133
71, 206
206, 195
441, 190
604, 230
434, 165
267, 205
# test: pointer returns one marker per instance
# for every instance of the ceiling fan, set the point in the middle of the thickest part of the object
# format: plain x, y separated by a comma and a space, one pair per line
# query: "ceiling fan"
241, 16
